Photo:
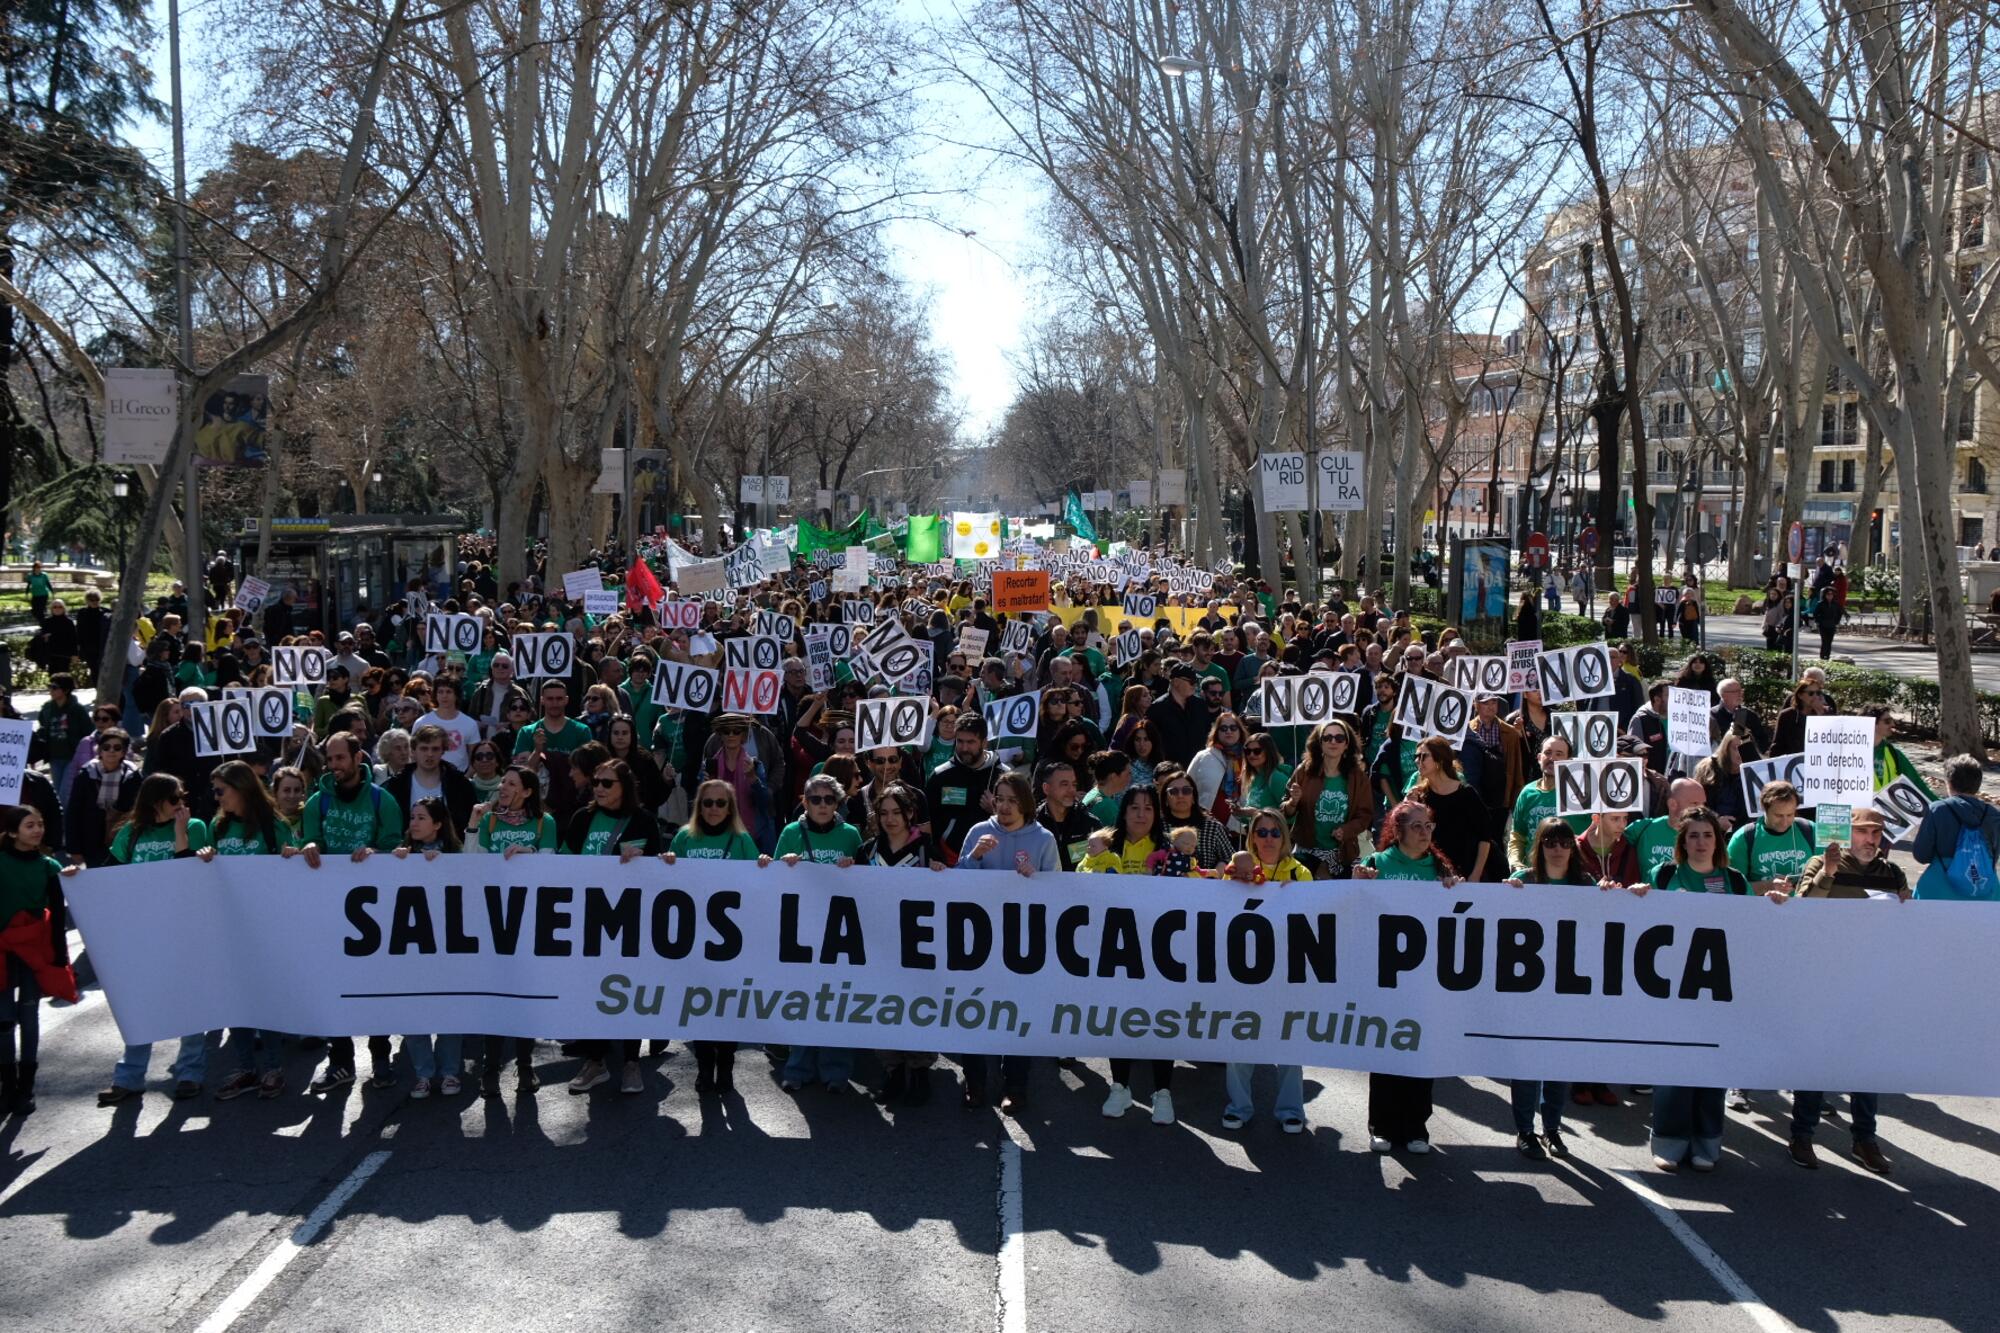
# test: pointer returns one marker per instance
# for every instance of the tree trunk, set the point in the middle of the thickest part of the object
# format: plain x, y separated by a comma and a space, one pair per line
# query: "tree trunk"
1861, 538
1748, 521
1959, 729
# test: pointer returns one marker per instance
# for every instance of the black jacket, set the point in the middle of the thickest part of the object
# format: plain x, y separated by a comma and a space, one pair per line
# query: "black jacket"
459, 794
1183, 728
640, 827
951, 818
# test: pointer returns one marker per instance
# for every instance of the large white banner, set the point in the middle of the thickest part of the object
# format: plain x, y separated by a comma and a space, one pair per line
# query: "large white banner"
1410, 978
141, 410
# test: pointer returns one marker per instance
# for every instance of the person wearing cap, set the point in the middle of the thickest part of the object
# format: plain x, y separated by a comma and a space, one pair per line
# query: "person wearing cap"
345, 655
1862, 869
1181, 719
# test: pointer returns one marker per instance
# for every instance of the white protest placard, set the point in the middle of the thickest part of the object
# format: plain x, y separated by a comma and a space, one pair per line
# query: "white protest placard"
1173, 486
777, 625
1521, 654
291, 665
1013, 717
857, 611
545, 656
848, 581
972, 642
819, 657
1481, 675
1126, 647
1018, 636
602, 602
682, 613
975, 536
1569, 674
251, 594
1601, 786
1141, 491
1687, 721
891, 721
750, 490
744, 566
682, 685
1839, 760
270, 712
703, 576
1340, 480
448, 633
753, 652
580, 581
1308, 700
1429, 708
141, 410
905, 663
1756, 776
1282, 477
222, 727
751, 691
1903, 806
1141, 605
15, 735
1591, 735
816, 591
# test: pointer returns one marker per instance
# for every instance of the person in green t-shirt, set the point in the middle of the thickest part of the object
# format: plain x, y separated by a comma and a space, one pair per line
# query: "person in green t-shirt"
39, 592
820, 835
1537, 802
1654, 838
514, 822
1111, 771
349, 815
1399, 1107
247, 823
1778, 845
716, 832
160, 830
554, 732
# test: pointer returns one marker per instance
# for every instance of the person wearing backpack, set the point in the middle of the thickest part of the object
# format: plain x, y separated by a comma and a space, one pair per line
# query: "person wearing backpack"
1958, 841
349, 816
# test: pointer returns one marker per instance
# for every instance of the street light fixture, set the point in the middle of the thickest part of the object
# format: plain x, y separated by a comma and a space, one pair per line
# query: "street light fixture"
1177, 66
120, 487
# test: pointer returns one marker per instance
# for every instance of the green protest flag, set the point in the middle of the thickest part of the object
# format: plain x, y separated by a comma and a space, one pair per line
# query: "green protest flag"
925, 544
1078, 521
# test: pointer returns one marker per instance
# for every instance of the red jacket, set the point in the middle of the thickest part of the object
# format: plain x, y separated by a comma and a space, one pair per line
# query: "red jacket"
29, 938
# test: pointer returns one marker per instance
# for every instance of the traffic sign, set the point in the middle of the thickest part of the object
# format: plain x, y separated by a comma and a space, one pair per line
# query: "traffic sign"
1795, 543
1537, 553
1588, 540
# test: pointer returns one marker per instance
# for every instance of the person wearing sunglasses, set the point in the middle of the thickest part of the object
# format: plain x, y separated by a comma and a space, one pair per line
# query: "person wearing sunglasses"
1267, 774
1399, 1107
1179, 806
820, 836
484, 770
1266, 861
1329, 800
159, 828
898, 841
615, 823
715, 833
100, 795
1010, 840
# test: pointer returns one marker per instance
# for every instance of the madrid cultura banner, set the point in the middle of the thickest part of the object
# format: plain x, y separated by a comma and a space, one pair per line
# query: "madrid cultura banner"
1411, 978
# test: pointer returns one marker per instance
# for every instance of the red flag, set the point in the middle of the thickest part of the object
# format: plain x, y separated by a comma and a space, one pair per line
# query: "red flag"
642, 588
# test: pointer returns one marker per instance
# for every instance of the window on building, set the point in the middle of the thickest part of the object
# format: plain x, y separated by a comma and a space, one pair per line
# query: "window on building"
1975, 476
1662, 463
1847, 474
1972, 231
1826, 474
1975, 167
1968, 408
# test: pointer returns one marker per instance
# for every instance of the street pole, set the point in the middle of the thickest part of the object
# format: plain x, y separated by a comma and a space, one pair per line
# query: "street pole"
184, 318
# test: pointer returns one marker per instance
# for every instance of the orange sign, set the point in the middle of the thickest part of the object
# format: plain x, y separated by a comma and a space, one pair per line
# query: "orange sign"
1015, 591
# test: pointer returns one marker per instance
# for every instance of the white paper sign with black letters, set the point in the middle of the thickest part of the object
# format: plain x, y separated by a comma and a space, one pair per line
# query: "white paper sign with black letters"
546, 656
1592, 735
892, 721
223, 727
299, 666
452, 634
1430, 708
1601, 786
1014, 717
682, 685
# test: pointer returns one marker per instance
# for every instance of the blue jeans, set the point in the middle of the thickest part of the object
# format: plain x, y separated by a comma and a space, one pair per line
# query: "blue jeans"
819, 1064
1526, 1092
1687, 1122
434, 1058
1289, 1104
190, 1065
259, 1051
1806, 1108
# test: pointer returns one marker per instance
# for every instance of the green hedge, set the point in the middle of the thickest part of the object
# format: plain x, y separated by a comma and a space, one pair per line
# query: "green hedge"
1767, 687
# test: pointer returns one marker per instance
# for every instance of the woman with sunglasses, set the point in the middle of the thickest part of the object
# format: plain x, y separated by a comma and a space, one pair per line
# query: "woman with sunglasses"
715, 833
1537, 802
1329, 800
1788, 736
484, 769
1687, 1122
1461, 816
1553, 858
1271, 862
1179, 805
516, 715
1399, 1107
1267, 775
615, 823
160, 828
898, 841
819, 835
100, 795
247, 823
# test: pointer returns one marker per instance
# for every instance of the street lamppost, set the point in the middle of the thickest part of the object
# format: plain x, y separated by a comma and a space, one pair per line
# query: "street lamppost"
121, 488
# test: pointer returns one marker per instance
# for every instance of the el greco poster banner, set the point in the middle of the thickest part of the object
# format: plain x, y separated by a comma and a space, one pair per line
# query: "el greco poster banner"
1669, 988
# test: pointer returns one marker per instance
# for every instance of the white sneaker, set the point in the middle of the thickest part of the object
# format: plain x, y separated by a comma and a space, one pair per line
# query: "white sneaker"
448, 1085
1231, 1120
1163, 1107
1702, 1163
591, 1075
420, 1089
1119, 1102
1376, 1143
1737, 1101
1420, 1146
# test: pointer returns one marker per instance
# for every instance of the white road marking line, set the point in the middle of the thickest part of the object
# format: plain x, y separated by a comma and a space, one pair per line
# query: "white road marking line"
289, 1248
1011, 1290
1732, 1282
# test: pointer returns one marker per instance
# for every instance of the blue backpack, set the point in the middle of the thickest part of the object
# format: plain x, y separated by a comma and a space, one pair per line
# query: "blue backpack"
1970, 870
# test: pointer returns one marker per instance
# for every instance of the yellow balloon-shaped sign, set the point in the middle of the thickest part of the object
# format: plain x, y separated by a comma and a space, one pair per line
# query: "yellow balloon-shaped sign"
981, 549
965, 529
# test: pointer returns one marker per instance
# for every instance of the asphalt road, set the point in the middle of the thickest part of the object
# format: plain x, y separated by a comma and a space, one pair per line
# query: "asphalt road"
767, 1211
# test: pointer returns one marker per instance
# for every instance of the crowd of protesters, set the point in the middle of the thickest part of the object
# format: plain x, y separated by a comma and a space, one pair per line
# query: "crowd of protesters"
1157, 765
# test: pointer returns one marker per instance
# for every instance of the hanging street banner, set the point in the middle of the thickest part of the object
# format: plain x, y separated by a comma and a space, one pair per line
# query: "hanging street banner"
1283, 478
1669, 988
141, 408
1340, 477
